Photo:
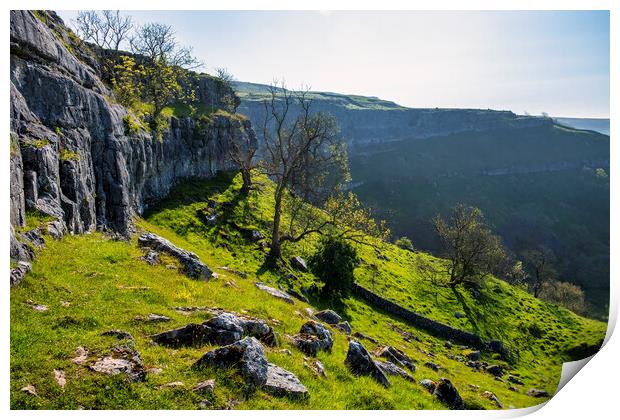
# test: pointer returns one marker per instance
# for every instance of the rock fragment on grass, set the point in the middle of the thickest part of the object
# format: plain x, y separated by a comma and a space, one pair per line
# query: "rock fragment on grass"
281, 382
359, 362
448, 394
30, 389
80, 356
60, 377
275, 292
36, 306
205, 387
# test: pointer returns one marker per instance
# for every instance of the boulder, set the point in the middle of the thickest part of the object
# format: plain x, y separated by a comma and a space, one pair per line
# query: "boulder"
397, 357
223, 329
189, 335
297, 295
365, 337
495, 370
459, 315
275, 292
491, 396
537, 393
448, 394
359, 362
429, 385
281, 382
328, 316
122, 360
496, 346
432, 366
151, 257
19, 272
192, 265
299, 263
514, 380
312, 338
391, 369
121, 335
56, 229
205, 387
246, 354
474, 355
344, 327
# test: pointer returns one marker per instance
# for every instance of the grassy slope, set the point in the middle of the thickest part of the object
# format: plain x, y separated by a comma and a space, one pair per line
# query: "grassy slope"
91, 271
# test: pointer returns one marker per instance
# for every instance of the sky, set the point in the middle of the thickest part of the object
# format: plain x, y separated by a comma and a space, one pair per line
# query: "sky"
525, 61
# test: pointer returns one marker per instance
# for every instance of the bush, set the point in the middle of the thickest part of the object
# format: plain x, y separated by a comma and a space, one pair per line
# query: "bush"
564, 294
404, 243
333, 263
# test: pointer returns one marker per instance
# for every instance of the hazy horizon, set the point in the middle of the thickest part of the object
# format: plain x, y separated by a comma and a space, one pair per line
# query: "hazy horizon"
524, 61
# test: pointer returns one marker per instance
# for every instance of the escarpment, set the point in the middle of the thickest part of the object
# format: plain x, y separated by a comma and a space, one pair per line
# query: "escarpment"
75, 157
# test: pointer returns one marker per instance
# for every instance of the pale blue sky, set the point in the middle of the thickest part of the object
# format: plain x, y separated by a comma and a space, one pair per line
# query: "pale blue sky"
557, 62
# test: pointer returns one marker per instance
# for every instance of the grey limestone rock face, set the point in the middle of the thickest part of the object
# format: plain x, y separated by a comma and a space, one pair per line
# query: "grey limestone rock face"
71, 155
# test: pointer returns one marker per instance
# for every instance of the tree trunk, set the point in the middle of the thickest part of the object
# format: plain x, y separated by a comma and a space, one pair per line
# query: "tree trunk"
247, 181
275, 252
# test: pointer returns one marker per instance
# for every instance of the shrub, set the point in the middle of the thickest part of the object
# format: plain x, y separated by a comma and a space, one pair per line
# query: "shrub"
333, 263
404, 243
564, 294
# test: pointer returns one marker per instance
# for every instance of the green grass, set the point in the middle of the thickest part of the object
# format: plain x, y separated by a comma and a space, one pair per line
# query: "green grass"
92, 272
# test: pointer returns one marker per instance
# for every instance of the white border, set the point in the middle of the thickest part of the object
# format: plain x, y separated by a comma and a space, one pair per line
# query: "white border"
592, 395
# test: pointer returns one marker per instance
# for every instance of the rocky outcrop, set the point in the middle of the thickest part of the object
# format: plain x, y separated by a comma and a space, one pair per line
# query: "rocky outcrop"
192, 265
72, 156
358, 360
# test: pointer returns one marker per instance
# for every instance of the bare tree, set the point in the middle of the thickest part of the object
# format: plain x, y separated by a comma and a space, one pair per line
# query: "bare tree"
304, 157
241, 152
539, 267
157, 42
472, 251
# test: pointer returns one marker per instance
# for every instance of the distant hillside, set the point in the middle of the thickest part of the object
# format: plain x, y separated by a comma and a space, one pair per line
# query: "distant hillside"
595, 124
369, 120
535, 180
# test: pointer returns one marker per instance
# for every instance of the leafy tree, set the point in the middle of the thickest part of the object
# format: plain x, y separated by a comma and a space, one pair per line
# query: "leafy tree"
333, 263
472, 251
127, 81
404, 243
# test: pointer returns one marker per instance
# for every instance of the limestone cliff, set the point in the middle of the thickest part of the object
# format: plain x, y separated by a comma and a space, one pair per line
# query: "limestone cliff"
72, 156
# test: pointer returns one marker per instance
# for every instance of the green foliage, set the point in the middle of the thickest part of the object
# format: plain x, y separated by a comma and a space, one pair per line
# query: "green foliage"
14, 144
58, 131
132, 124
404, 243
127, 81
564, 294
333, 263
600, 173
37, 143
66, 154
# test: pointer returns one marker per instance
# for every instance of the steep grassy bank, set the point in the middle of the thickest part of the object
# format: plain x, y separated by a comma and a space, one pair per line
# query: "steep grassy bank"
92, 283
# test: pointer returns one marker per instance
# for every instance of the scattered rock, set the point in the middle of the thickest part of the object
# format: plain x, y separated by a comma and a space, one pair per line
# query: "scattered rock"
514, 380
189, 335
299, 263
474, 355
391, 369
396, 356
459, 315
448, 344
256, 235
30, 389
275, 292
491, 396
60, 377
19, 272
432, 366
122, 360
297, 295
447, 393
344, 327
495, 370
281, 382
405, 334
429, 385
223, 329
55, 229
65, 304
358, 360
328, 316
496, 346
247, 354
204, 404
285, 351
365, 337
80, 356
537, 393
513, 388
309, 311
498, 379
151, 257
152, 318
34, 237
474, 387
312, 338
205, 387
121, 335
235, 272
36, 306
192, 265
154, 371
